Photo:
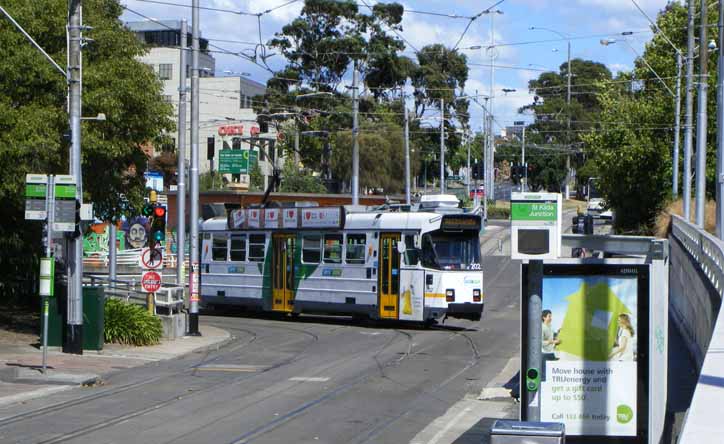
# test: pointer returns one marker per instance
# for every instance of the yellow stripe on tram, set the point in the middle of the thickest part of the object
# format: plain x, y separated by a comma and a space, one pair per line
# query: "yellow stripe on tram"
434, 295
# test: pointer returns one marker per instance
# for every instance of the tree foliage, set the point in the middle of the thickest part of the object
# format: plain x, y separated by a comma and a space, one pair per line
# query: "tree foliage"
33, 118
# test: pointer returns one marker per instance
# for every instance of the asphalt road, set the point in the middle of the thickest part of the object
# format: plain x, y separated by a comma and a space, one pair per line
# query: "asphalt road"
310, 380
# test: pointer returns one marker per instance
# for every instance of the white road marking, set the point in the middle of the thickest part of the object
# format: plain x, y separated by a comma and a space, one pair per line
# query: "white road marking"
308, 379
231, 368
448, 426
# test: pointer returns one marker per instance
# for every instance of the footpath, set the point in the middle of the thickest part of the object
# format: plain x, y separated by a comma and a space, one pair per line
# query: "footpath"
21, 378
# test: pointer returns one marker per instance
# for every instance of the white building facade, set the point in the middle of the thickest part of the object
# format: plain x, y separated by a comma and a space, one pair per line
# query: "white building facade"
226, 116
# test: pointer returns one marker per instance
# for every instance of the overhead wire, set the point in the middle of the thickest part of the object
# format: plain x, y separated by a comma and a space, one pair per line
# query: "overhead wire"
472, 19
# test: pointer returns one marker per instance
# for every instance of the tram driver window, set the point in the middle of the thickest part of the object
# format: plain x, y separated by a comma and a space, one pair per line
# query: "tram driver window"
332, 248
256, 247
237, 252
356, 248
218, 247
311, 253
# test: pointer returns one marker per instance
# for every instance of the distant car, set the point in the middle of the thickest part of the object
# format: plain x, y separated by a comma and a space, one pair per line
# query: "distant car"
596, 208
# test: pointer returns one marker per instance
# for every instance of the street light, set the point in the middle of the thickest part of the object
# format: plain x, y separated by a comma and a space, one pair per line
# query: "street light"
508, 90
229, 72
101, 117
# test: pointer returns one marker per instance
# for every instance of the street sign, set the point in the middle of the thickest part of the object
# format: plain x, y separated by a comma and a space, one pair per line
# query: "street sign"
454, 178
36, 193
65, 189
237, 161
152, 258
154, 180
151, 281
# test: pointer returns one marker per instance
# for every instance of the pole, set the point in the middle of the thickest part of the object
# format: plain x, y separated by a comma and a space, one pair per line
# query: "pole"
489, 166
296, 145
689, 127
535, 308
49, 208
112, 234
355, 137
442, 146
719, 133
181, 166
677, 128
467, 174
525, 180
485, 165
194, 197
567, 194
407, 152
701, 118
73, 341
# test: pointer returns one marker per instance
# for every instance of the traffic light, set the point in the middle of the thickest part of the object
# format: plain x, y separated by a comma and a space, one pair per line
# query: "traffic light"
147, 209
158, 226
478, 171
210, 141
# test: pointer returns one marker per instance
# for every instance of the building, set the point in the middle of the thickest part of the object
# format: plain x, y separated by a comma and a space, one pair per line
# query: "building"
225, 103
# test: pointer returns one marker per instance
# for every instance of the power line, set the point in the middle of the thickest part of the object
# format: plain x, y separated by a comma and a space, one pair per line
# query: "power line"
472, 19
207, 8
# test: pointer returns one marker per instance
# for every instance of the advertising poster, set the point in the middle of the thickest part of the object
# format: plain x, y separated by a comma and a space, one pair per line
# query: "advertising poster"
412, 295
589, 352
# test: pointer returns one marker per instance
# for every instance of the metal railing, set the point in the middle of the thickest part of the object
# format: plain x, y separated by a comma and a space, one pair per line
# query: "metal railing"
703, 420
169, 296
706, 249
128, 258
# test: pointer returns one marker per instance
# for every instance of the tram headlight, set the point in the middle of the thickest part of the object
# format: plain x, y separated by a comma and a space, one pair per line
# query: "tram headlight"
476, 295
450, 295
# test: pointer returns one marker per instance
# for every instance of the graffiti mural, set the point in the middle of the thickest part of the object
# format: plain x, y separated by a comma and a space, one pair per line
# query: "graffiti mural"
95, 241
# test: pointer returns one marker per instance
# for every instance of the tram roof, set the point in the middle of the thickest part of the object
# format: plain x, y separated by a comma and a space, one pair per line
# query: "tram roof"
374, 220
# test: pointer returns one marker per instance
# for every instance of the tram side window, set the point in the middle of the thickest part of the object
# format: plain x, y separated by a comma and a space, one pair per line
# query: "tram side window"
237, 252
256, 247
218, 247
356, 248
311, 250
412, 254
332, 248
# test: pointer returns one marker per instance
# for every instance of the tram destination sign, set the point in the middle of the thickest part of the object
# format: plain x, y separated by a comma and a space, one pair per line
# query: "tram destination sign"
64, 215
36, 193
456, 223
294, 218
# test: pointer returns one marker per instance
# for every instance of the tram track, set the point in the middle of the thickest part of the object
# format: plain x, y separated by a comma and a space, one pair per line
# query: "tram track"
57, 407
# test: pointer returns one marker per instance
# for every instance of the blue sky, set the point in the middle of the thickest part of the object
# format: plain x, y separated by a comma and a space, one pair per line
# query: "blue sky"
587, 21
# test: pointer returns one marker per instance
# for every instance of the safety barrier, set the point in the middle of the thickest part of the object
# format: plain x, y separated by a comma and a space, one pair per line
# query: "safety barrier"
128, 258
689, 306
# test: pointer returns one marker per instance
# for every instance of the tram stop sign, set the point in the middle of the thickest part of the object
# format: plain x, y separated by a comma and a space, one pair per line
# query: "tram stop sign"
151, 281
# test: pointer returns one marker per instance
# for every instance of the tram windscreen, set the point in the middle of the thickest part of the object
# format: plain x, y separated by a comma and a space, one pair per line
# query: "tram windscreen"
451, 250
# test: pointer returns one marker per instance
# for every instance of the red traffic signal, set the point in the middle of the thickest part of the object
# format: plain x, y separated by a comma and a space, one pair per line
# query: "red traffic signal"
159, 211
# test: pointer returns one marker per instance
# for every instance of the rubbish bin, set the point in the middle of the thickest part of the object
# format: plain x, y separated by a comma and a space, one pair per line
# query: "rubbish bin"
527, 432
94, 299
93, 318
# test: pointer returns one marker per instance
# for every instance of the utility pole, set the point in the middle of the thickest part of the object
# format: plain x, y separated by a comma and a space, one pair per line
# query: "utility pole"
73, 341
112, 234
194, 172
407, 152
689, 127
181, 166
355, 136
701, 118
485, 164
677, 127
467, 173
568, 131
525, 181
719, 133
442, 146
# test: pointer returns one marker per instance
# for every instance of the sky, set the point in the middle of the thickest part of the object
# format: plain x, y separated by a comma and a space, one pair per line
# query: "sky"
521, 54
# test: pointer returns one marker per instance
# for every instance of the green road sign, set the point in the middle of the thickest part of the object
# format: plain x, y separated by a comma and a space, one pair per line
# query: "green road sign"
454, 178
237, 161
536, 211
64, 216
36, 192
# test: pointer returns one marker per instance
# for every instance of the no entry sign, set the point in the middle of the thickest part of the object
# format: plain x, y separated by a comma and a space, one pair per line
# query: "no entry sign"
151, 281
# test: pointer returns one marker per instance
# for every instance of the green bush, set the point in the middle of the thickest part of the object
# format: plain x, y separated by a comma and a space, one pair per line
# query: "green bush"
498, 212
130, 324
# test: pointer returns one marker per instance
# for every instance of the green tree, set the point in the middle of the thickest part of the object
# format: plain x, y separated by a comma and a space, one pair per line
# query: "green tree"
295, 180
33, 117
256, 179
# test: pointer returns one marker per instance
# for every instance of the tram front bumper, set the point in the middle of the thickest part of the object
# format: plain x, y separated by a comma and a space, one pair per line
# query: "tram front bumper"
467, 310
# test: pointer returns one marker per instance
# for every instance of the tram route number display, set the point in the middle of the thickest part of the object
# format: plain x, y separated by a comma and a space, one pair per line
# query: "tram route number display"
151, 281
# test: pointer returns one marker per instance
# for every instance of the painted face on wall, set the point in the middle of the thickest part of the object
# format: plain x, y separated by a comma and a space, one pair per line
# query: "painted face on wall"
137, 235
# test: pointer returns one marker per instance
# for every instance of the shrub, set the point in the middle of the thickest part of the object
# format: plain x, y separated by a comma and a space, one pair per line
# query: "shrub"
498, 212
130, 324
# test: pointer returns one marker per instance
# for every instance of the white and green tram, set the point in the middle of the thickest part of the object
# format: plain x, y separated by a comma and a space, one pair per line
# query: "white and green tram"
412, 266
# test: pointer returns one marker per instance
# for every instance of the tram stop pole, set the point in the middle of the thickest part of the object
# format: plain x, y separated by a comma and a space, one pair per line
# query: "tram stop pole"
533, 372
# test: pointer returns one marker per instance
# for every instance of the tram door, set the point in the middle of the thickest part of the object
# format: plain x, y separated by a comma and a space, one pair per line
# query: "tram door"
389, 275
283, 272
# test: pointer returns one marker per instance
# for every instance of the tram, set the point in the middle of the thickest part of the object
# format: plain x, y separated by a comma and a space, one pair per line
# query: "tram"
410, 266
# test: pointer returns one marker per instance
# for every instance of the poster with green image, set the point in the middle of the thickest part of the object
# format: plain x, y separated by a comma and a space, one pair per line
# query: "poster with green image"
589, 368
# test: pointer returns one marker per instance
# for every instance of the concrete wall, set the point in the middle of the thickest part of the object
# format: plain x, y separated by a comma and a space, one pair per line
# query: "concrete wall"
693, 302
